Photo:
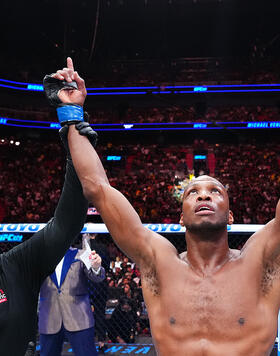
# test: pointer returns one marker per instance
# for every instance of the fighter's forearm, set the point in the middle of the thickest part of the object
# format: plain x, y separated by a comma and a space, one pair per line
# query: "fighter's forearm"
87, 163
117, 213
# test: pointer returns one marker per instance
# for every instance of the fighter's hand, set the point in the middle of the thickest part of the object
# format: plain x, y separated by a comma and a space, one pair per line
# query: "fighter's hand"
95, 260
67, 95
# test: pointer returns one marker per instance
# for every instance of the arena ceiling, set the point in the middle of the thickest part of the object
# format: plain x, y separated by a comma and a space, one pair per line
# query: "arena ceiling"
45, 31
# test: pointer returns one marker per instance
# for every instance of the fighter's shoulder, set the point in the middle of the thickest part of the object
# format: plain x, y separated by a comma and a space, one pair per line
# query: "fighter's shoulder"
264, 234
256, 242
156, 247
160, 242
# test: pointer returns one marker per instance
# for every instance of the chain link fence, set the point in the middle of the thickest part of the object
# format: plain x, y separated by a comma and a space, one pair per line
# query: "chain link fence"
118, 304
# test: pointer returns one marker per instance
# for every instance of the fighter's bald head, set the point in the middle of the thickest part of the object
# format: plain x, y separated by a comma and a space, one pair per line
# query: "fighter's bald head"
204, 178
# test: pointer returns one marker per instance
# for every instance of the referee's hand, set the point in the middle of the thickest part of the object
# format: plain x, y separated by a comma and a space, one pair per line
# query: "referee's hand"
95, 260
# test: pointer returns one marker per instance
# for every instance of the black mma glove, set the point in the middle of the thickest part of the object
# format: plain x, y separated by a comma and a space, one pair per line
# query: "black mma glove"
52, 87
67, 113
84, 129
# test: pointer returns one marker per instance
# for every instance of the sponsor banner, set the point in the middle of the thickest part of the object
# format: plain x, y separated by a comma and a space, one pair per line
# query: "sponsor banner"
3, 297
102, 229
19, 227
245, 228
115, 349
92, 211
127, 349
121, 349
11, 237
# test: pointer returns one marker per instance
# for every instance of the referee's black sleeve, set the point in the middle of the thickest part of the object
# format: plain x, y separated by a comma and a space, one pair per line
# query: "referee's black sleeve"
38, 256
68, 221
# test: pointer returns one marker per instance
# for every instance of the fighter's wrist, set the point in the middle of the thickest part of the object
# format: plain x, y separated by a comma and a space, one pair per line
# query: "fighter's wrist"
70, 114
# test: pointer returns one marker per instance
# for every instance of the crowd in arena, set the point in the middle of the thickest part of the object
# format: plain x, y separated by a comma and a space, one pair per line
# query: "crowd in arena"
124, 286
188, 114
31, 178
159, 114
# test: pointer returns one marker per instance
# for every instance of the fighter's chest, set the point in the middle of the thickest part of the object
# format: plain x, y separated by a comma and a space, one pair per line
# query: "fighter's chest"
223, 298
202, 292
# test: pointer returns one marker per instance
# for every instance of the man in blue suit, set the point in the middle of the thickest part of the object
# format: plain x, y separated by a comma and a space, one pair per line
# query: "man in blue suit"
65, 309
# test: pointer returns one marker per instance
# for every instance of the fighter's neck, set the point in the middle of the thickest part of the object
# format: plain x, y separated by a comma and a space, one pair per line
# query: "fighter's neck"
207, 256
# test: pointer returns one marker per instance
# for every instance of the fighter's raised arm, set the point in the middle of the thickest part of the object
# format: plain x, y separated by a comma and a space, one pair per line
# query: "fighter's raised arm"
117, 213
119, 216
268, 240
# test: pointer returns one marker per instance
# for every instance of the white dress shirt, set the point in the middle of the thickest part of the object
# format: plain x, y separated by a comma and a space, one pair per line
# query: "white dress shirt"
58, 271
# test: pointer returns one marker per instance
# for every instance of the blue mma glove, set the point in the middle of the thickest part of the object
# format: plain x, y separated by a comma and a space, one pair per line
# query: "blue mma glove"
70, 114
67, 113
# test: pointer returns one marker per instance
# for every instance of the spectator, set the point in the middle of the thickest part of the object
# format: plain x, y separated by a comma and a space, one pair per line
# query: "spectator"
122, 325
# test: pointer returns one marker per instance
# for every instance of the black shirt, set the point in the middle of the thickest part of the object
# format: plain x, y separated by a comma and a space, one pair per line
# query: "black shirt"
24, 268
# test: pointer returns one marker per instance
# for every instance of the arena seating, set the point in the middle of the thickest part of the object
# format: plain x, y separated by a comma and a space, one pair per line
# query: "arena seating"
154, 114
31, 178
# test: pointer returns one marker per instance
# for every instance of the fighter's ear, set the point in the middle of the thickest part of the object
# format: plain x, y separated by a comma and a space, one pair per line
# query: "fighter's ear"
230, 218
181, 222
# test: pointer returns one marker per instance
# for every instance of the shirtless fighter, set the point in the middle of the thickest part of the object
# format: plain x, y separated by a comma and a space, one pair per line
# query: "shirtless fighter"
209, 301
